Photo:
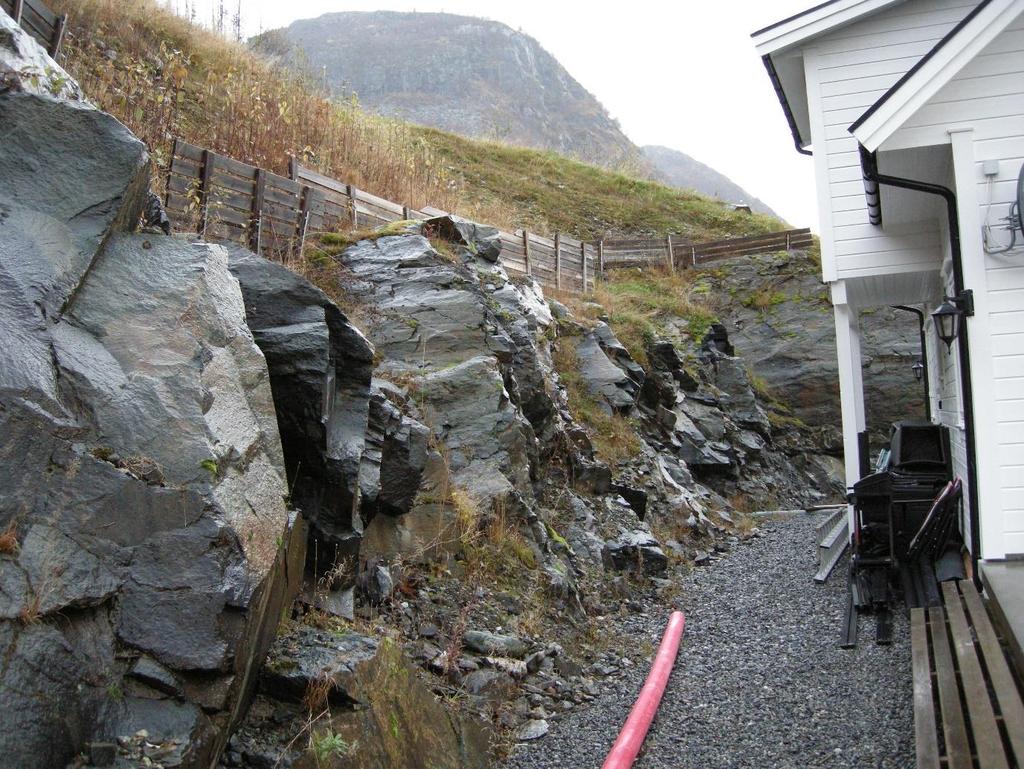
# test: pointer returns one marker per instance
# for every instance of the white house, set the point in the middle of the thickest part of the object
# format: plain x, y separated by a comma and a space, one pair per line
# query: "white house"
914, 113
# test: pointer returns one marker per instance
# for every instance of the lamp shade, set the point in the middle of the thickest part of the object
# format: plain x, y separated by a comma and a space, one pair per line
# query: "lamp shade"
947, 322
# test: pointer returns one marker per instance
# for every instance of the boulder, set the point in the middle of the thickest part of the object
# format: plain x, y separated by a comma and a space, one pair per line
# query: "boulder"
495, 644
320, 370
26, 66
740, 403
149, 496
615, 388
427, 311
366, 693
635, 550
306, 657
488, 442
71, 175
482, 240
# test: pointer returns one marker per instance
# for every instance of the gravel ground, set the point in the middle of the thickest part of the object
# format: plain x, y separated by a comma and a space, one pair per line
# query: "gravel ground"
760, 681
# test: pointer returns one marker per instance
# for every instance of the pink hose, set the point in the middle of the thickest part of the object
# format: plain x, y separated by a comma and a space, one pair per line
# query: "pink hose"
631, 738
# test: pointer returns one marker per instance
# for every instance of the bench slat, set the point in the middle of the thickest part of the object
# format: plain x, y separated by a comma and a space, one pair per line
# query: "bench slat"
987, 742
926, 738
1009, 699
958, 750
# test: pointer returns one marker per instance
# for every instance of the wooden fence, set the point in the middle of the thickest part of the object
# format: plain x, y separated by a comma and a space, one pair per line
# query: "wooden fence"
224, 199
676, 253
39, 21
561, 262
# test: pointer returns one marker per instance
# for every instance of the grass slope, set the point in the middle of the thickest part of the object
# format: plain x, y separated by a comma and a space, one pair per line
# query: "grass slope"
164, 77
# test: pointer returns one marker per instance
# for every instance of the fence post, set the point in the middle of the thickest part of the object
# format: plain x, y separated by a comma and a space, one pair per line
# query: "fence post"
600, 258
206, 175
526, 251
558, 261
406, 216
351, 191
304, 206
693, 256
256, 220
671, 256
58, 35
788, 247
18, 4
583, 263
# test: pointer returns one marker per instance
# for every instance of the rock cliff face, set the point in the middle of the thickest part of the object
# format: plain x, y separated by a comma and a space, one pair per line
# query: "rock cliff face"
143, 504
780, 320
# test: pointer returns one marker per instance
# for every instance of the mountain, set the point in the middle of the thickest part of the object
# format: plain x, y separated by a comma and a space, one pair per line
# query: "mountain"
471, 76
680, 170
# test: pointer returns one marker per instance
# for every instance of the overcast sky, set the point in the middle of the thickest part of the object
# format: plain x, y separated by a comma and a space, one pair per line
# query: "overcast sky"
682, 74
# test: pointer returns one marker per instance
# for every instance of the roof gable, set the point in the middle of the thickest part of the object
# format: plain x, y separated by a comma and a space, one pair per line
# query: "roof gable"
936, 68
814, 22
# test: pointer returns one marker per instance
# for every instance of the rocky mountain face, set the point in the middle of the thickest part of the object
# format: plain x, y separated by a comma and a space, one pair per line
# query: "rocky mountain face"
780, 320
254, 518
467, 75
680, 170
482, 79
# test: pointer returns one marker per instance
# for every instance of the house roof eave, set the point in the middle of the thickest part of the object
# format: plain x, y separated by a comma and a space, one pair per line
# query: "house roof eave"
936, 68
814, 22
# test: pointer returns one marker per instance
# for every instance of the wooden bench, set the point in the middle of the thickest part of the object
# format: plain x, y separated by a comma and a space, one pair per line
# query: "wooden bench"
967, 705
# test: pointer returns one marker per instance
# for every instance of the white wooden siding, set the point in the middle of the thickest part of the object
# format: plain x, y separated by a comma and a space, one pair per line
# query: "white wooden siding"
988, 96
853, 67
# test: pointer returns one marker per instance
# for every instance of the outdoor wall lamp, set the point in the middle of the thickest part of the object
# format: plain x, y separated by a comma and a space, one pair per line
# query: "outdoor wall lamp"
950, 313
918, 369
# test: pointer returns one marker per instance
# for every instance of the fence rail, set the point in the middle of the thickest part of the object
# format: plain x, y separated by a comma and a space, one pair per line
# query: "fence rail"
677, 253
224, 199
39, 21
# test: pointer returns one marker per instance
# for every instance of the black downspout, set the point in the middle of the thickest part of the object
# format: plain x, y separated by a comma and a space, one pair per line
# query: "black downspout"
924, 356
869, 166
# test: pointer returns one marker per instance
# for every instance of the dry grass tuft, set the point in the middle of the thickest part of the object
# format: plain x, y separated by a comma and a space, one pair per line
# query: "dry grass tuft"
640, 305
30, 614
614, 436
9, 539
317, 693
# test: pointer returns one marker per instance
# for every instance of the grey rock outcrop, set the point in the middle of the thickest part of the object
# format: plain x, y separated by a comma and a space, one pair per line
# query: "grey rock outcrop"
25, 65
480, 239
609, 372
320, 371
364, 691
471, 358
395, 457
140, 462
635, 550
780, 319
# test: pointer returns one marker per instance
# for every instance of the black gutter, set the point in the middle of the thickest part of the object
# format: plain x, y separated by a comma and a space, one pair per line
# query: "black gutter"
924, 356
786, 109
920, 63
794, 17
869, 165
